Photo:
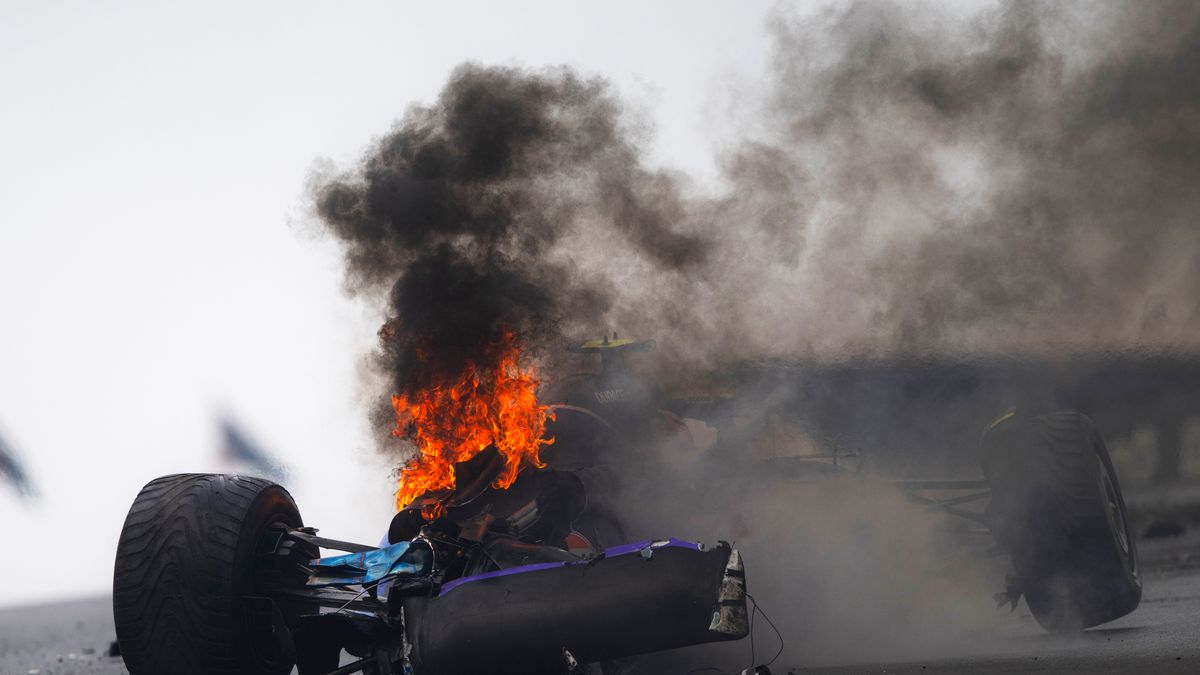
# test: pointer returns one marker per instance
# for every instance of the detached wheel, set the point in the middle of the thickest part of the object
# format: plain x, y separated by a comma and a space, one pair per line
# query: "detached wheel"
1057, 506
195, 552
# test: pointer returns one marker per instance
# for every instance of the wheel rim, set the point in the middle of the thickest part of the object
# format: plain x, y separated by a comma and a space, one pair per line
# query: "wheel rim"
1116, 515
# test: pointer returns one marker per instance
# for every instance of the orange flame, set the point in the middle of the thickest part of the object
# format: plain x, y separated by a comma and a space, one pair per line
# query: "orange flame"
454, 420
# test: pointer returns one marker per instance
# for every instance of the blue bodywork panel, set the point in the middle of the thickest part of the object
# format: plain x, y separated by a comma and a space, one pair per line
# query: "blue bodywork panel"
406, 559
402, 558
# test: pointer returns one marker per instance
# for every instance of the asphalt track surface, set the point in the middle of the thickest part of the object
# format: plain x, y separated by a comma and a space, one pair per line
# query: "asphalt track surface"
1162, 636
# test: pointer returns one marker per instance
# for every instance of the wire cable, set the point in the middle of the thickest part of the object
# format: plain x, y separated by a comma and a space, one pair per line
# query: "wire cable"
752, 613
778, 635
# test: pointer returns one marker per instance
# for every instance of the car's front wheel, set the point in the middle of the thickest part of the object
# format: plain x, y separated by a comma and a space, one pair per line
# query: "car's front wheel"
191, 561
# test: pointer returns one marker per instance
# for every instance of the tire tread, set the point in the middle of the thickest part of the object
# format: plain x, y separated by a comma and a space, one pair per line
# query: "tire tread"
176, 594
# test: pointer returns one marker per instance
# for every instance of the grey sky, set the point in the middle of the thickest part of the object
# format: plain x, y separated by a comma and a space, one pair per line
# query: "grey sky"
154, 264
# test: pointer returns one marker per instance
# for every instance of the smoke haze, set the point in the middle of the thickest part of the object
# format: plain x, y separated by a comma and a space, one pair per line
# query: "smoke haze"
1021, 178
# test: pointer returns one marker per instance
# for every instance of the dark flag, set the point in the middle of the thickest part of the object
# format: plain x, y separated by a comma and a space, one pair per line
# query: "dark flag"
12, 472
238, 450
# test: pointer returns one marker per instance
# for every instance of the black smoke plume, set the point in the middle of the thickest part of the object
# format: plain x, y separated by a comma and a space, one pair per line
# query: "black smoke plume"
459, 211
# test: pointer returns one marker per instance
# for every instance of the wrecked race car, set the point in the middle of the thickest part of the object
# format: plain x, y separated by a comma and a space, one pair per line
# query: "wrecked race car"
218, 574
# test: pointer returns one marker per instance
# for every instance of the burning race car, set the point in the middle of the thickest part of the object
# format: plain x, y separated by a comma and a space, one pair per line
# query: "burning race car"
508, 568
494, 563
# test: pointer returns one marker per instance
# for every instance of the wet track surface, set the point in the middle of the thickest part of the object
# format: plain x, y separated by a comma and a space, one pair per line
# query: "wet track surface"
66, 638
1162, 636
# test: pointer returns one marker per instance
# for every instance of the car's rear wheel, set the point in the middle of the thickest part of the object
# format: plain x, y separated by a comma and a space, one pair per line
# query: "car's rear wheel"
193, 557
1057, 506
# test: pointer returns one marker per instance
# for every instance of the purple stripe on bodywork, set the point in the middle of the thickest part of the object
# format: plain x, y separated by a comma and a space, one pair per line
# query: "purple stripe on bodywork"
624, 549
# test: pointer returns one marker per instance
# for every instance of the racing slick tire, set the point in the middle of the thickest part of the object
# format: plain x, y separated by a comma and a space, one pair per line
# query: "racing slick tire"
1057, 507
189, 564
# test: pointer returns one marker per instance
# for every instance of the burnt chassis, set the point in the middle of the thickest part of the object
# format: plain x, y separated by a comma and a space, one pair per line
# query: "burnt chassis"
493, 571
545, 617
